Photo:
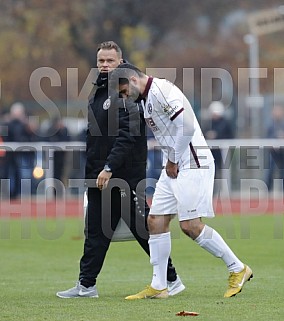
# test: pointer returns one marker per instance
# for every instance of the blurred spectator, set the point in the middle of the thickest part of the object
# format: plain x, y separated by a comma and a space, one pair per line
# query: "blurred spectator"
3, 153
218, 127
276, 155
20, 163
58, 132
79, 159
34, 131
2, 159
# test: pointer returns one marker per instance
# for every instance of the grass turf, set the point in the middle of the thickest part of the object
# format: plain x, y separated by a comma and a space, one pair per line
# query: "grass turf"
39, 258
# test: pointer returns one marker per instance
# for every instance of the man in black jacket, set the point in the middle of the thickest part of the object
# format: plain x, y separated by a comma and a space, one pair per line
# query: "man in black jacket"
115, 177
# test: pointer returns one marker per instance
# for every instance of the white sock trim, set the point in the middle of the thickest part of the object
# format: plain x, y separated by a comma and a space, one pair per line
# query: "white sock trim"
158, 236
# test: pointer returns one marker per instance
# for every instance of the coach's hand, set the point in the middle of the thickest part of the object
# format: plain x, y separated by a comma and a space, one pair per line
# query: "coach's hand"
103, 179
172, 169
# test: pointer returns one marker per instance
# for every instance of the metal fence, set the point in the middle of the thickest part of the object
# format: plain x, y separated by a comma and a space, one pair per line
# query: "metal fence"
245, 167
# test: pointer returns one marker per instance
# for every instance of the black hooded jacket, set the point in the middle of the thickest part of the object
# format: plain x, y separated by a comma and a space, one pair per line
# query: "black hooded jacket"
115, 136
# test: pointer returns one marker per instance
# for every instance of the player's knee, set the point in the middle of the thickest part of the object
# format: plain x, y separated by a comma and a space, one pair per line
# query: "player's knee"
187, 231
192, 228
158, 224
151, 223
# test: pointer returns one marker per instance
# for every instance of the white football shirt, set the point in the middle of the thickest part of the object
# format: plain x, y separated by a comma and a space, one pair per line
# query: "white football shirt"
171, 118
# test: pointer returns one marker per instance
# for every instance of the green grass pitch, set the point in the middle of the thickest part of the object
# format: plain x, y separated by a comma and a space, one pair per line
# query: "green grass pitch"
39, 258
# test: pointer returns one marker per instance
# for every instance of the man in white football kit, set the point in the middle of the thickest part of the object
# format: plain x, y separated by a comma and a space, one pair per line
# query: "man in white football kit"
185, 186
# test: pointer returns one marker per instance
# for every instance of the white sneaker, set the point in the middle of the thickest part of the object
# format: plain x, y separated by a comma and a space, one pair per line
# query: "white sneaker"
79, 291
175, 287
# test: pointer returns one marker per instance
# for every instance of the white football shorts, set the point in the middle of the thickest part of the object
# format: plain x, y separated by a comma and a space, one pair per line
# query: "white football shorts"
189, 195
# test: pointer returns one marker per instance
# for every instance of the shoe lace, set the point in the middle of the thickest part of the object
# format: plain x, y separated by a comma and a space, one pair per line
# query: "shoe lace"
147, 287
232, 280
144, 291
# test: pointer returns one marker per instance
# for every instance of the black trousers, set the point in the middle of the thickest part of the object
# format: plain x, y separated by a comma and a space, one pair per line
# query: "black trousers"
103, 214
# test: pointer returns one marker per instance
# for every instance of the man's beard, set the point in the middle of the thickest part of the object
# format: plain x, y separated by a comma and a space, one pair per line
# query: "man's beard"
135, 93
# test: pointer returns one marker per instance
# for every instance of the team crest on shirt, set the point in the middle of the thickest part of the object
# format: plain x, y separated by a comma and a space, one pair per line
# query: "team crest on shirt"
107, 104
150, 108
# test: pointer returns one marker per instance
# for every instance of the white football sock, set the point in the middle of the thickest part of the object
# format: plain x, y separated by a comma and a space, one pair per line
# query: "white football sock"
212, 241
160, 249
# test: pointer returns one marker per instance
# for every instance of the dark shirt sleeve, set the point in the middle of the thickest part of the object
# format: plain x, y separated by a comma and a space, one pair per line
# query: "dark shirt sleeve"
227, 132
129, 129
270, 132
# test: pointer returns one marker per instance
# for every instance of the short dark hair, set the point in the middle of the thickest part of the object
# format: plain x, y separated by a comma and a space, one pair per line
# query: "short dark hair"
128, 67
122, 74
108, 45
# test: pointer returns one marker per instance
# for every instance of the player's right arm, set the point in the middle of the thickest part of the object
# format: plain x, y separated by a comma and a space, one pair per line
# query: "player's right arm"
180, 115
